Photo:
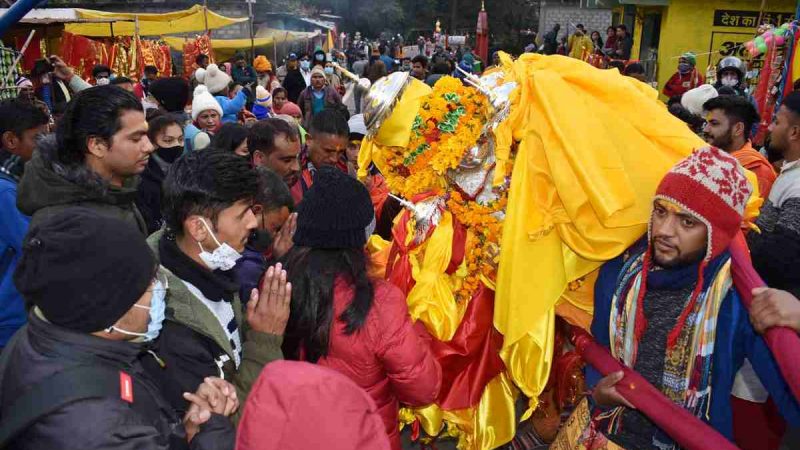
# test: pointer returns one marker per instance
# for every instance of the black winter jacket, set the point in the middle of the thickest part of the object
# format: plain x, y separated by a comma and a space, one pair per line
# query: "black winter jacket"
48, 187
148, 195
45, 349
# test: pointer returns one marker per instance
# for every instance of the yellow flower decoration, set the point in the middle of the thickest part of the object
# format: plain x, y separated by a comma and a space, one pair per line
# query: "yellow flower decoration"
449, 122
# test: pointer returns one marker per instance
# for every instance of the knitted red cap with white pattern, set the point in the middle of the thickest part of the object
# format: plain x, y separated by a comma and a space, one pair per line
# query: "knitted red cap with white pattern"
709, 184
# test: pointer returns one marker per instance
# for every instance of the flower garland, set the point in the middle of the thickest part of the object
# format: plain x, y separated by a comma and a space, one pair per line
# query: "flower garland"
480, 259
449, 122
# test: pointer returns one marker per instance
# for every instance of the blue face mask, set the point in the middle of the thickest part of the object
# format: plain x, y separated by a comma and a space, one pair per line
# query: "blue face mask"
305, 65
157, 308
329, 70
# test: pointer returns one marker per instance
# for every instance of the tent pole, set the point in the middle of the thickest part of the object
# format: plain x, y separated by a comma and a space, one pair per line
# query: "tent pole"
252, 19
205, 14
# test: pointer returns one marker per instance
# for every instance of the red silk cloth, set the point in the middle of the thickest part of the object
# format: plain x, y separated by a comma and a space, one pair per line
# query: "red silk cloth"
472, 357
687, 430
782, 342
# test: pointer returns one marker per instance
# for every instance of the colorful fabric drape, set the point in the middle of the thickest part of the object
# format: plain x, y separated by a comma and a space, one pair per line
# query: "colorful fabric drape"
201, 45
783, 342
155, 53
82, 54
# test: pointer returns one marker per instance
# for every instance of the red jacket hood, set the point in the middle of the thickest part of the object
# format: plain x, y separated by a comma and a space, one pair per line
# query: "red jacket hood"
298, 406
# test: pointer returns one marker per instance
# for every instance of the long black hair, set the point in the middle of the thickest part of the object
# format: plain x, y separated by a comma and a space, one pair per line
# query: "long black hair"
313, 272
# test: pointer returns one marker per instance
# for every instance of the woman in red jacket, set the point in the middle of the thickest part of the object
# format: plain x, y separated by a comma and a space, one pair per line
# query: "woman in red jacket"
342, 319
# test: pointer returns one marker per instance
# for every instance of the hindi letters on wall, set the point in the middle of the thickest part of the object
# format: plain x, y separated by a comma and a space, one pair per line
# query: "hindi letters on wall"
749, 19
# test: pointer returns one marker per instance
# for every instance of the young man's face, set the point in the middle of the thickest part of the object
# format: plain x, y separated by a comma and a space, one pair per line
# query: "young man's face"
283, 159
204, 63
782, 131
719, 131
240, 63
326, 149
23, 145
417, 71
678, 238
208, 120
126, 153
620, 33
233, 226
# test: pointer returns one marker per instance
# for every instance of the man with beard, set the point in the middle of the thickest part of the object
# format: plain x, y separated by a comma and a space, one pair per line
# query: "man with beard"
667, 307
729, 121
776, 249
275, 144
99, 147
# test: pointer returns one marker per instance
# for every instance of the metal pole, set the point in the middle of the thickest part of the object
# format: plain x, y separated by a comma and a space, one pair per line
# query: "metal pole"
15, 13
205, 14
252, 40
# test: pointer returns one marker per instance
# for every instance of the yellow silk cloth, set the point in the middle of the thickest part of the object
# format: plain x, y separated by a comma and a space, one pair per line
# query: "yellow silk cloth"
487, 426
395, 131
594, 146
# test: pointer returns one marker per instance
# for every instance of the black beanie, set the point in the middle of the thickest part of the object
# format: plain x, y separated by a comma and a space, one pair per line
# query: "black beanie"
334, 212
171, 93
83, 270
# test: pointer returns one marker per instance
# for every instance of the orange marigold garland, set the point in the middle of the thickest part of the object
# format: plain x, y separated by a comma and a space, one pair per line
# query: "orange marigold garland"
487, 229
450, 121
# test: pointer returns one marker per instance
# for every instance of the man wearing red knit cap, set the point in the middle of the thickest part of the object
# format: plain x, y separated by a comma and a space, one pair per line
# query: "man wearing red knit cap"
667, 307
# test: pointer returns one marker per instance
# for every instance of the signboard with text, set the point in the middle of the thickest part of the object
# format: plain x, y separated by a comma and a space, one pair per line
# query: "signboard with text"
749, 19
724, 43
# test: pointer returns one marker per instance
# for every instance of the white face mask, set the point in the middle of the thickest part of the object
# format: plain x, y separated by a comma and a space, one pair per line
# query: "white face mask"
224, 257
103, 81
156, 311
730, 80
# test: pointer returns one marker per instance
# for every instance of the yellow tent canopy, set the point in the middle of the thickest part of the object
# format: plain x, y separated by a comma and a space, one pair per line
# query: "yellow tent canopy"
150, 24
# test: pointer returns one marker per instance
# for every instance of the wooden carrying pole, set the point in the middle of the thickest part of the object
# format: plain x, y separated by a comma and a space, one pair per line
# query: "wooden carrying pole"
10, 78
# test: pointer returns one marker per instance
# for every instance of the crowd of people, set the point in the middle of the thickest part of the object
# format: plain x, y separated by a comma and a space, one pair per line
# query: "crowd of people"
167, 242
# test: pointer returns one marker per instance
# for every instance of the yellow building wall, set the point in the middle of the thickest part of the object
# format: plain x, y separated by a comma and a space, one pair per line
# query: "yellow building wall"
688, 25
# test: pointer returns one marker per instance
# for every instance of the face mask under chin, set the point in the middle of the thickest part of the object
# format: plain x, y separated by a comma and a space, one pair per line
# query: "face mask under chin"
223, 257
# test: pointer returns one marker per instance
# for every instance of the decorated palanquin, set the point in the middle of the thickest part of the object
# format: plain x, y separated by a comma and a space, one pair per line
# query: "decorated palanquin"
517, 186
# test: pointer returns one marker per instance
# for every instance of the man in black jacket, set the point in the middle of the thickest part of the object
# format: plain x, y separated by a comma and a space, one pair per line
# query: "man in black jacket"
100, 145
73, 377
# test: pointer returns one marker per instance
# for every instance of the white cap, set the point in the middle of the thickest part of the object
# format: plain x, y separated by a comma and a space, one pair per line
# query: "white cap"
694, 99
216, 79
356, 124
203, 101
